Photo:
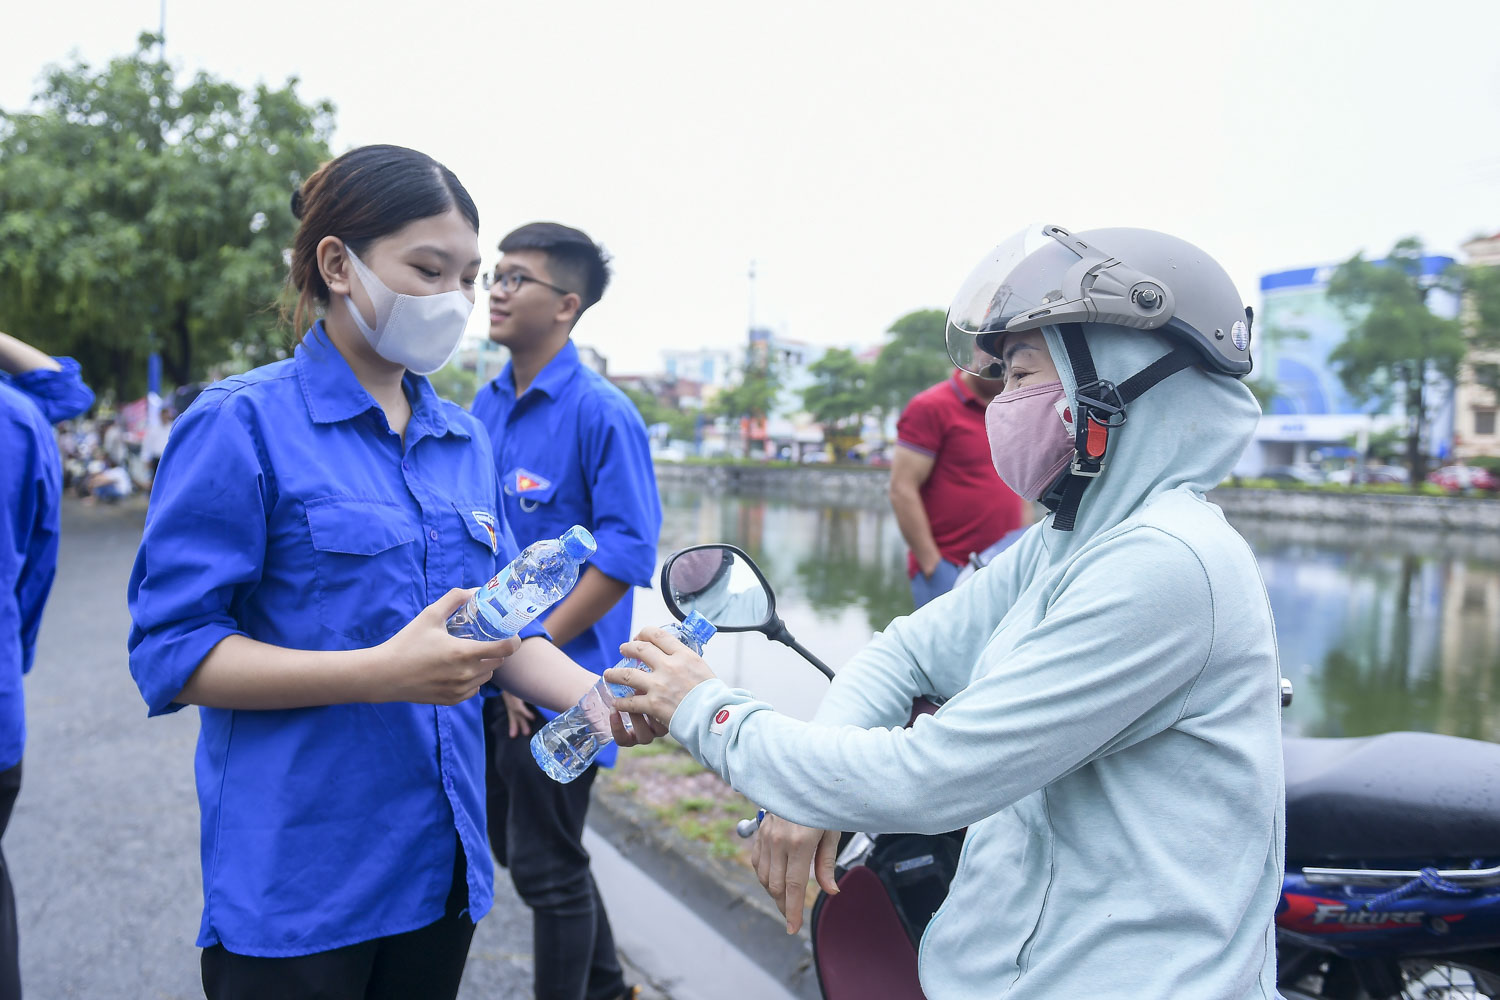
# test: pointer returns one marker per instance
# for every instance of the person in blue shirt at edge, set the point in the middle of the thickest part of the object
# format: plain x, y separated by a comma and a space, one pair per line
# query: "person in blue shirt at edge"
313, 525
36, 391
571, 448
1110, 732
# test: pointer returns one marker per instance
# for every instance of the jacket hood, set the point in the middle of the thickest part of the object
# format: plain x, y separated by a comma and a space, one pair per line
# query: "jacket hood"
1184, 433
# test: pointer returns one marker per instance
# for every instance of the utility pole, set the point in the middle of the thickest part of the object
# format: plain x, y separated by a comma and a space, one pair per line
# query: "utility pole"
752, 287
161, 33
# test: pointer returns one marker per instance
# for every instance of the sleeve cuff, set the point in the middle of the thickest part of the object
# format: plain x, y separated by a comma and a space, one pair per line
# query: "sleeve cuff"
60, 395
911, 446
161, 669
707, 720
624, 558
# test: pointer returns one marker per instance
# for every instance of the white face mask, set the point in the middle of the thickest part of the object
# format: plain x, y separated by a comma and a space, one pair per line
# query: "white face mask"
419, 332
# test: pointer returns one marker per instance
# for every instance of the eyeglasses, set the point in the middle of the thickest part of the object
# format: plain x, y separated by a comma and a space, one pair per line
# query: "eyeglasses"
510, 282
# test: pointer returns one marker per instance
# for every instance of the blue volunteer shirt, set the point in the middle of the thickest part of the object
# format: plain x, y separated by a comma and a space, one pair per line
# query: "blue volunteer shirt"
573, 450
286, 510
30, 498
30, 512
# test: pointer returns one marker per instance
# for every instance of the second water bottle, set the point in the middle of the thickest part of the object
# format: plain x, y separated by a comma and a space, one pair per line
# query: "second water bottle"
566, 746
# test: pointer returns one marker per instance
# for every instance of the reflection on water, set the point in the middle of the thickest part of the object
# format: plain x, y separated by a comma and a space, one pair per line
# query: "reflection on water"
1377, 631
1381, 631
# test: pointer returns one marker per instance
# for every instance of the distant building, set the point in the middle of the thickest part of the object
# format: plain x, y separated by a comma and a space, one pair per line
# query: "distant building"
483, 357
592, 359
707, 366
486, 359
787, 432
1474, 405
668, 390
1312, 417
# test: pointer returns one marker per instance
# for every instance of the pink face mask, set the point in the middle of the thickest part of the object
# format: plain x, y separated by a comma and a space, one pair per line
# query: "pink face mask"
1031, 437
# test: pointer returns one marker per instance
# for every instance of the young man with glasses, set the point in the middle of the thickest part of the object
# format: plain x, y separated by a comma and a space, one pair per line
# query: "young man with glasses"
571, 448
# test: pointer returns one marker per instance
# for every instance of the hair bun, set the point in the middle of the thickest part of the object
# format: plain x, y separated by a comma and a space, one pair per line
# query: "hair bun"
297, 203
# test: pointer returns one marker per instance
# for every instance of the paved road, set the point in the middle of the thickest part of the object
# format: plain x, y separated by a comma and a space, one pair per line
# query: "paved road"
103, 845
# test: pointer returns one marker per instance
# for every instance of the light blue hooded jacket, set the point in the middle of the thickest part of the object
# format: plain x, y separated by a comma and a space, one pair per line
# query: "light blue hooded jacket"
1111, 735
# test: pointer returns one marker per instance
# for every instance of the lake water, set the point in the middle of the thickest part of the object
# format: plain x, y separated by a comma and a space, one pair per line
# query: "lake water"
1377, 632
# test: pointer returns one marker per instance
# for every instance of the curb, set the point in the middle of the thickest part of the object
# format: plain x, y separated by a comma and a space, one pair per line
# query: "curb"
725, 895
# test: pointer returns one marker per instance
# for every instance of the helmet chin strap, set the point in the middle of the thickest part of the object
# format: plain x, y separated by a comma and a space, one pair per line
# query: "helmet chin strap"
1099, 409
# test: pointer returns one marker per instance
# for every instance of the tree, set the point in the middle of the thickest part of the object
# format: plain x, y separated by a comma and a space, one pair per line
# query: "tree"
838, 398
914, 357
135, 215
454, 381
752, 397
1397, 348
1481, 284
681, 424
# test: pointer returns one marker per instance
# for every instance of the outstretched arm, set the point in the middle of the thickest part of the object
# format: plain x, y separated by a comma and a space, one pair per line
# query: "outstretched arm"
1106, 666
18, 357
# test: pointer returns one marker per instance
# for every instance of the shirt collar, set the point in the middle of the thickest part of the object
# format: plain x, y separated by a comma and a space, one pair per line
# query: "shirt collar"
551, 380
334, 394
964, 393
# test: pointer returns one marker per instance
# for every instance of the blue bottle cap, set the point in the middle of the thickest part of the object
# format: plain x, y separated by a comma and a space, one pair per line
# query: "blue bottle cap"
578, 544
700, 628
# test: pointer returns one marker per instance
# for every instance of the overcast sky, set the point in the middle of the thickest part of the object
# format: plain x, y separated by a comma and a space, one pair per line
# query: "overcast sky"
867, 154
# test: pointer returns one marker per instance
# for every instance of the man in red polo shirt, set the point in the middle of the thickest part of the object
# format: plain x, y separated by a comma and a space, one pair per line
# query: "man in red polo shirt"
948, 499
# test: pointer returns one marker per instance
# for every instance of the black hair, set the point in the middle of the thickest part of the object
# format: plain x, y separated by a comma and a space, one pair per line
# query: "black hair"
367, 193
576, 262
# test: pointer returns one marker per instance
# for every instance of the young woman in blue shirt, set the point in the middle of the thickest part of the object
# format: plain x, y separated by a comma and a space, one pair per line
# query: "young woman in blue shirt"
313, 525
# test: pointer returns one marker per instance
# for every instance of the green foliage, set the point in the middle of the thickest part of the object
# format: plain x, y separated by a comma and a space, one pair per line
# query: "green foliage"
454, 381
753, 394
914, 357
681, 424
1482, 297
838, 397
1396, 345
1395, 489
1386, 445
136, 212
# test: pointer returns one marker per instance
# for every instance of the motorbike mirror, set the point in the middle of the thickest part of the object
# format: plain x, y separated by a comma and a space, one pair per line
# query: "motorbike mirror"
722, 584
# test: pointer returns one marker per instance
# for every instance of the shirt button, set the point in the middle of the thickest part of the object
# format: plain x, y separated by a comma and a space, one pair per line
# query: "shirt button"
406, 466
432, 534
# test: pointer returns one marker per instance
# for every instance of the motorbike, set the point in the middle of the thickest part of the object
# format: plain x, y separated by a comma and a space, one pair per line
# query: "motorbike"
1392, 882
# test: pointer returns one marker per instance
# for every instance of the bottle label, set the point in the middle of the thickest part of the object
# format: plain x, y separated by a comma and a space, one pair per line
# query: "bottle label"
494, 602
518, 618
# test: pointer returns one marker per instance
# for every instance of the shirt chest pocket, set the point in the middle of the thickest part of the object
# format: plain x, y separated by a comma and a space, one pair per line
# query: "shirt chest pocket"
531, 491
481, 544
369, 579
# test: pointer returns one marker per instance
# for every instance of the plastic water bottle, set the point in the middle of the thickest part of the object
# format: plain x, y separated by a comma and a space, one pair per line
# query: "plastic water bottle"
533, 582
566, 746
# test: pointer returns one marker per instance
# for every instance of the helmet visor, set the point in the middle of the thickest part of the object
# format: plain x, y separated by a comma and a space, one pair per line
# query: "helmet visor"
988, 300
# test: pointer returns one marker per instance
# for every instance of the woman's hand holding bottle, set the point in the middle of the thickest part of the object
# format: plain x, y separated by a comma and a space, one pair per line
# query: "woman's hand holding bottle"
423, 663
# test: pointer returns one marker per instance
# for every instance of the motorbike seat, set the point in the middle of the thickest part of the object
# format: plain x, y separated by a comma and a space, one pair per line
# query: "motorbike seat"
1396, 796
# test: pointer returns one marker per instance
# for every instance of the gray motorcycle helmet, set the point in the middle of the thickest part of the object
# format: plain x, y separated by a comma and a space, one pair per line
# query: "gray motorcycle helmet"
1131, 278
1134, 278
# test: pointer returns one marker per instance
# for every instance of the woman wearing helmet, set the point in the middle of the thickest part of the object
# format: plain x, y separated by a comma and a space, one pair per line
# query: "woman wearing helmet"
1111, 729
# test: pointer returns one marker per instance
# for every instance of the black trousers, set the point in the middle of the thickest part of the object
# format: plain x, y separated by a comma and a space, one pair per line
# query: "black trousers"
425, 963
536, 832
10, 958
